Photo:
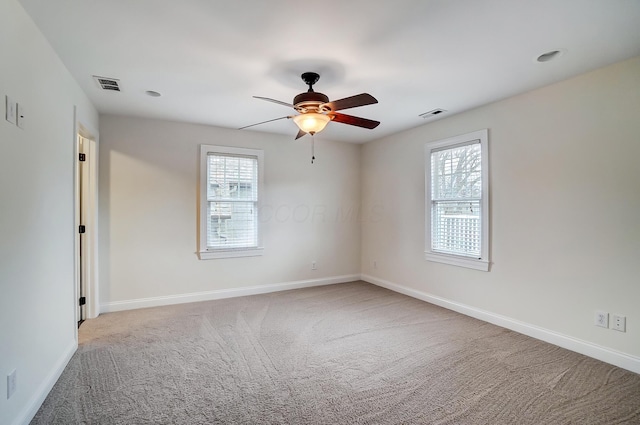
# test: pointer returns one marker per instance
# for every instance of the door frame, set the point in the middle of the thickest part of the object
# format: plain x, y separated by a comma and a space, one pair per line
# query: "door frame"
83, 128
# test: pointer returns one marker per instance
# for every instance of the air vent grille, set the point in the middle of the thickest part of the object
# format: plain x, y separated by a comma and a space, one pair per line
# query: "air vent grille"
432, 113
107, 83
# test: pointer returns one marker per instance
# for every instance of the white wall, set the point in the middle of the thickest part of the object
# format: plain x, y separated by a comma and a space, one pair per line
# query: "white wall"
37, 324
565, 208
148, 204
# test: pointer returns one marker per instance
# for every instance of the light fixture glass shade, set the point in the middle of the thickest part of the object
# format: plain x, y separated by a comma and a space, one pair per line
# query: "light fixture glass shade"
311, 122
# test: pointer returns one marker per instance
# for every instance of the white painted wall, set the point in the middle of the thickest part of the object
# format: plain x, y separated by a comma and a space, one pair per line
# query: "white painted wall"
148, 205
37, 324
565, 199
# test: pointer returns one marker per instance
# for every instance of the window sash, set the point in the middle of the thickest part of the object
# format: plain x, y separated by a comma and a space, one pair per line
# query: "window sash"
232, 225
456, 227
456, 172
232, 177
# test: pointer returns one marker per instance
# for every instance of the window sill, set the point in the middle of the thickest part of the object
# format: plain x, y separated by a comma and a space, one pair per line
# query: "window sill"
230, 253
454, 260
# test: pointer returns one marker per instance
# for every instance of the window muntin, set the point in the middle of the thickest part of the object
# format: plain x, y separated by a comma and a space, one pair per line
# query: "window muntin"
457, 201
231, 180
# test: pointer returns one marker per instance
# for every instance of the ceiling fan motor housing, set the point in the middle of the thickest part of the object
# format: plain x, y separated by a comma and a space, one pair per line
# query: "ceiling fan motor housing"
309, 101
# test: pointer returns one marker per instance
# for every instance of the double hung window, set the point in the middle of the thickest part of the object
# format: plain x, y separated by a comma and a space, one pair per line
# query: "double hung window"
457, 207
230, 190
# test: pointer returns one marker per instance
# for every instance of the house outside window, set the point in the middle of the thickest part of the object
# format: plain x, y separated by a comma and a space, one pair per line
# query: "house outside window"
230, 192
457, 201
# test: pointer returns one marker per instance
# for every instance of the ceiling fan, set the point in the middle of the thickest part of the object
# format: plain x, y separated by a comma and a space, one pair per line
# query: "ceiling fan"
315, 110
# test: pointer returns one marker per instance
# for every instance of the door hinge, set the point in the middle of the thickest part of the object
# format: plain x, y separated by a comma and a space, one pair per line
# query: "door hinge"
82, 157
83, 300
82, 228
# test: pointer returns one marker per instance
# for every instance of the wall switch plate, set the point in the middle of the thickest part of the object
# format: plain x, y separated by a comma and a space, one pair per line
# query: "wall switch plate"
602, 319
10, 110
314, 266
12, 383
375, 264
619, 323
20, 119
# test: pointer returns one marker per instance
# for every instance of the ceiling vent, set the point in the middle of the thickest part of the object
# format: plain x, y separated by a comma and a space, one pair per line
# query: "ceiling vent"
432, 113
107, 83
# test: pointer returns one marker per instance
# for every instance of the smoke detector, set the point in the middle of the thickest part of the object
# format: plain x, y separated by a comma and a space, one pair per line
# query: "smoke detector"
107, 83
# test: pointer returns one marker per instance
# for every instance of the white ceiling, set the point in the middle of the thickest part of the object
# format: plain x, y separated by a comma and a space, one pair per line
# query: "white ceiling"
209, 57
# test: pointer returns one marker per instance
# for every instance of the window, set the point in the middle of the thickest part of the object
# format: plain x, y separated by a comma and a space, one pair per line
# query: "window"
457, 201
230, 190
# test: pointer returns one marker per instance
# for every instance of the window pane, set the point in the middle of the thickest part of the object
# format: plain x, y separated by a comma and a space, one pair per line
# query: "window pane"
232, 225
457, 173
232, 177
456, 228
232, 195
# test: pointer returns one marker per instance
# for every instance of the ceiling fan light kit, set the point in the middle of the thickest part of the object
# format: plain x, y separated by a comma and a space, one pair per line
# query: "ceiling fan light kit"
315, 110
311, 122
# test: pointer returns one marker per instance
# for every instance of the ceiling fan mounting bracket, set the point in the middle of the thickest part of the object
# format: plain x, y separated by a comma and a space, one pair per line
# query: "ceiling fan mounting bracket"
310, 78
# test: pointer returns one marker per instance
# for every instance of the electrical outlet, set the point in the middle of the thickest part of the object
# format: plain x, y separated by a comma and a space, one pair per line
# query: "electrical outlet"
602, 319
314, 266
619, 323
11, 110
12, 383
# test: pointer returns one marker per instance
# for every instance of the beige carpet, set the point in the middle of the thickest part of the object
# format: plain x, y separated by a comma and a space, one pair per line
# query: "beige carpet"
340, 354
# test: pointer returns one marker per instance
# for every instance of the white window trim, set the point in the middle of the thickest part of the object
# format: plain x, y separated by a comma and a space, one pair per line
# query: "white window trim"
459, 260
205, 253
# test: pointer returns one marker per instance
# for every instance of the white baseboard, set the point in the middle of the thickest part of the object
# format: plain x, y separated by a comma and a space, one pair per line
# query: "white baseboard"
617, 358
222, 293
47, 385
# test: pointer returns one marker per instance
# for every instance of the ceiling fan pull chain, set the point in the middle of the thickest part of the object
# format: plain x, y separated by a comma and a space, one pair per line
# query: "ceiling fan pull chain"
313, 148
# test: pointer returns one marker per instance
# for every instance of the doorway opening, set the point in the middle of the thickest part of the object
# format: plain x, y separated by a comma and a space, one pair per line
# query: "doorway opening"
86, 225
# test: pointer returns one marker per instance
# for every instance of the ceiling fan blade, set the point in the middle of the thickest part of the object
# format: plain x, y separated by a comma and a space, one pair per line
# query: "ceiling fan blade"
357, 121
300, 134
274, 101
351, 102
263, 122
